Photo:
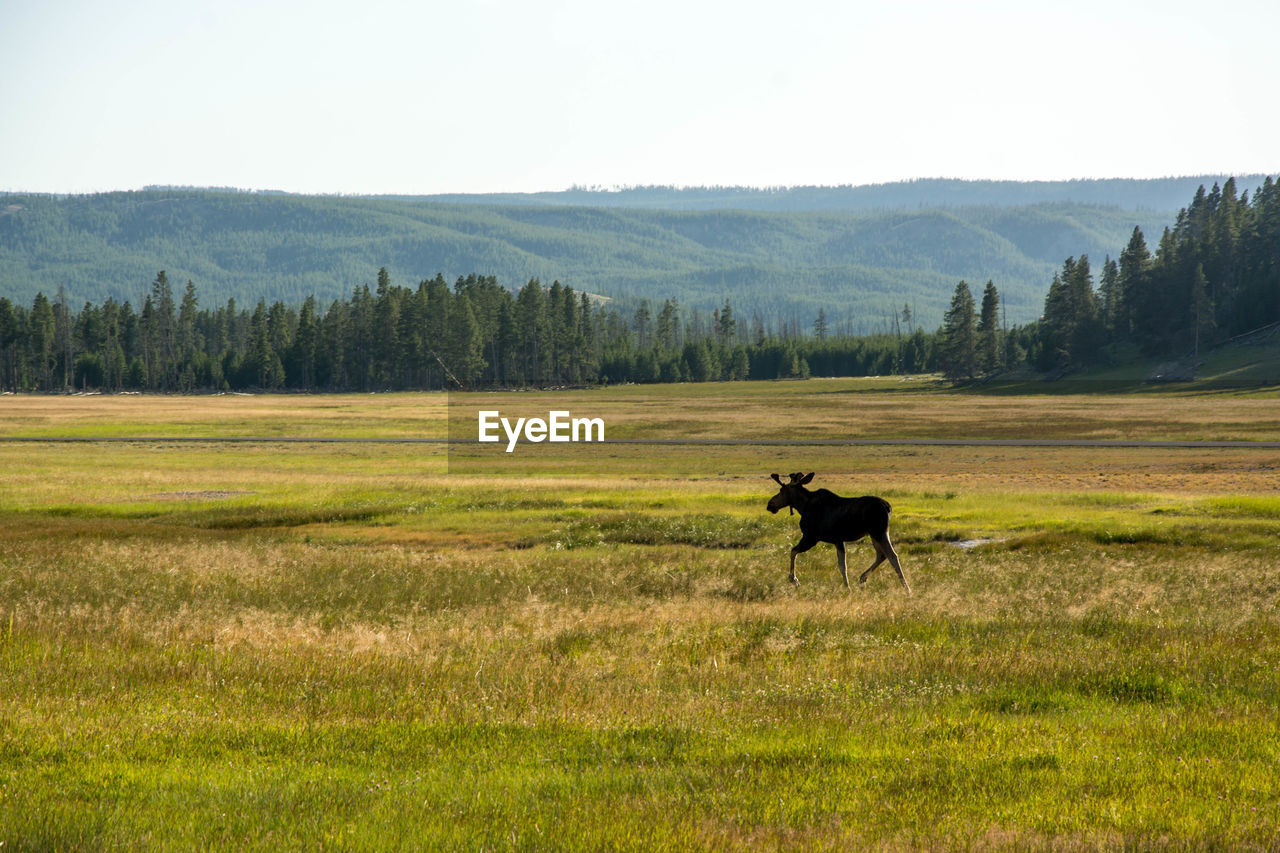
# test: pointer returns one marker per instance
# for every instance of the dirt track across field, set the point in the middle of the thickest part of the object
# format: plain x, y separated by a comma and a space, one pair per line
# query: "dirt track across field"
707, 442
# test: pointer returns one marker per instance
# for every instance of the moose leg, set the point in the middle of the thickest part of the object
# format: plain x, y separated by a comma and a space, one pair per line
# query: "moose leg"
885, 549
844, 568
893, 561
862, 579
800, 547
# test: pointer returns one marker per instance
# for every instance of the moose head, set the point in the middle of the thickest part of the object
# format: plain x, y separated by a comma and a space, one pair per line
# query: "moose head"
790, 492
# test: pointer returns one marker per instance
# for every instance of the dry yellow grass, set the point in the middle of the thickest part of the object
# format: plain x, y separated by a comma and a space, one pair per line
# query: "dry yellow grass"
300, 415
817, 408
282, 645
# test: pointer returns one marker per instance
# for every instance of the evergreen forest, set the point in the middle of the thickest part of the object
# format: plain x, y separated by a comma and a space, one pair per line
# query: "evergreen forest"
475, 334
857, 253
1214, 274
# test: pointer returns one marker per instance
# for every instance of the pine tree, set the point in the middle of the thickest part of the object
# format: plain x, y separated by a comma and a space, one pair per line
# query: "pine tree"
1086, 329
331, 349
1109, 298
531, 332
41, 340
1202, 322
114, 362
698, 357
384, 348
587, 321
989, 330
1055, 328
262, 365
957, 354
668, 325
1135, 290
164, 335
726, 326
435, 327
465, 350
62, 336
300, 364
10, 341
557, 351
820, 325
188, 342
360, 341
641, 325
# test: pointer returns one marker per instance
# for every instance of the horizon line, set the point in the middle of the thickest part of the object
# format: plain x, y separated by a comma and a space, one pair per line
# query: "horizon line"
605, 189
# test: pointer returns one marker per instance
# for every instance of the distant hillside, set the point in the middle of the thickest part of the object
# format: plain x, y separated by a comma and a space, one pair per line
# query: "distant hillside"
860, 262
1159, 194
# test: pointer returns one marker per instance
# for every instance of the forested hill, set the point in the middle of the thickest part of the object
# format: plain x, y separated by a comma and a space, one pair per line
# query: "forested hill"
860, 266
1162, 194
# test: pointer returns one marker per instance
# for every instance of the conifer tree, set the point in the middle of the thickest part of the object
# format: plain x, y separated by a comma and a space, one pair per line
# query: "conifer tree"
531, 332
820, 325
188, 342
726, 326
1202, 322
464, 353
989, 330
641, 324
1109, 298
41, 336
164, 334
668, 325
1135, 296
10, 339
1086, 330
957, 355
300, 364
385, 344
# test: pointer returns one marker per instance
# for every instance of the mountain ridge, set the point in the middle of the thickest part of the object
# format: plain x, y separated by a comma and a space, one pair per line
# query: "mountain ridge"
859, 264
1168, 193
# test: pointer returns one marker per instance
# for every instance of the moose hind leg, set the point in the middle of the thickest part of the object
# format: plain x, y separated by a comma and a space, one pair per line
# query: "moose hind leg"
893, 560
862, 579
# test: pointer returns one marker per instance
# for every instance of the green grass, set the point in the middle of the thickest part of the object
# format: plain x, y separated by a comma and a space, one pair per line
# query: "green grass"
1242, 368
281, 647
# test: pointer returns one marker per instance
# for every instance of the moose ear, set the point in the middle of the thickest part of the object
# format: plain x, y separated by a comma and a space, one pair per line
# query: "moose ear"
807, 478
776, 477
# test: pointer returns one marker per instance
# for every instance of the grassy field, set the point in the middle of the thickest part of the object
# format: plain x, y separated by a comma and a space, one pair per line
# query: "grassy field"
373, 646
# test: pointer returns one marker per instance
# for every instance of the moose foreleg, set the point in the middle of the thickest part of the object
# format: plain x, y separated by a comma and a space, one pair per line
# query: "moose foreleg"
800, 547
844, 568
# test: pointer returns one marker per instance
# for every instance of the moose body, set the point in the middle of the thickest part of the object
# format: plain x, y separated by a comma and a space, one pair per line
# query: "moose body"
828, 517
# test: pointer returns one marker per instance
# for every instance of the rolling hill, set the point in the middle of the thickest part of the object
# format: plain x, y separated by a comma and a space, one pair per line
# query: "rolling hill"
859, 253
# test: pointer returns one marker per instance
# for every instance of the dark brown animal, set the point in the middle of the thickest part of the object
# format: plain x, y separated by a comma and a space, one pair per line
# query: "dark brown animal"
827, 517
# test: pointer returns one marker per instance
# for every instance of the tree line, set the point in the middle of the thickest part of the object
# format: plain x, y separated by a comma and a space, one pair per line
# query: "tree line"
475, 334
855, 264
1214, 275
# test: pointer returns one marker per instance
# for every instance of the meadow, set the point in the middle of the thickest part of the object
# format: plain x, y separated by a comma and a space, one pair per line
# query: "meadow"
272, 645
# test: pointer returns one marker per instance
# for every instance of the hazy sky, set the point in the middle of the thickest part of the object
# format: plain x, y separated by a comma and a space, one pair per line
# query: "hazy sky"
523, 95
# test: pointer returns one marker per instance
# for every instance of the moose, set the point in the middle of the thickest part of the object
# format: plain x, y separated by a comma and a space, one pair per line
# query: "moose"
827, 517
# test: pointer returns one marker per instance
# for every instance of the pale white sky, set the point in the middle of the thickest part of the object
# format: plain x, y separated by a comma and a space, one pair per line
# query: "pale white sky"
379, 96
